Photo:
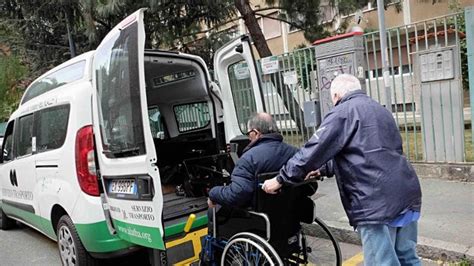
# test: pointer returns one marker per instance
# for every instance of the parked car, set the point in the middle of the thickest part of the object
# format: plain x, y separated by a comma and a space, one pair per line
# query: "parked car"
97, 142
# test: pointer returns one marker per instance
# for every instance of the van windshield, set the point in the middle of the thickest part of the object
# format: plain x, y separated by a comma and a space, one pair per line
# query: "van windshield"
118, 91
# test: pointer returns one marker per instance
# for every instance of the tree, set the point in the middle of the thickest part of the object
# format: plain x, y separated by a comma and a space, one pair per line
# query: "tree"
10, 89
51, 31
42, 34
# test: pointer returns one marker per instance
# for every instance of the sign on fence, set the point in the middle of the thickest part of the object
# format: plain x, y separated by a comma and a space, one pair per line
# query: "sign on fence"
241, 71
290, 78
269, 64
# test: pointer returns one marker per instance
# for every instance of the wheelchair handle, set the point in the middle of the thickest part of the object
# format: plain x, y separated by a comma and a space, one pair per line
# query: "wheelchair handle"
214, 223
260, 186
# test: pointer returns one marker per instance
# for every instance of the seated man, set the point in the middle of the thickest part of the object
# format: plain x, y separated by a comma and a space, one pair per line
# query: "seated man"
266, 153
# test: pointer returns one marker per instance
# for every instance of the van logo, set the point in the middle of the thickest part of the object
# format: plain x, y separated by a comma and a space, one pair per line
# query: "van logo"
13, 179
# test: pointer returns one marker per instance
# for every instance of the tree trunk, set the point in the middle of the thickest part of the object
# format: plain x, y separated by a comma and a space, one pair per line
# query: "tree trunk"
248, 15
72, 44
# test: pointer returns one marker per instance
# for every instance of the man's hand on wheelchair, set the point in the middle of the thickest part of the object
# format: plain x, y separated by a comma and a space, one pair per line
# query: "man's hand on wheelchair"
271, 186
210, 203
316, 175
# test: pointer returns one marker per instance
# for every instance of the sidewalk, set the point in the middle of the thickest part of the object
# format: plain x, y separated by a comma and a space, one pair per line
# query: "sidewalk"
446, 226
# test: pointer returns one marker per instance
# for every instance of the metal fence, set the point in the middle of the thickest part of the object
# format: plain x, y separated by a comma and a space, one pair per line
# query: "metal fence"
431, 111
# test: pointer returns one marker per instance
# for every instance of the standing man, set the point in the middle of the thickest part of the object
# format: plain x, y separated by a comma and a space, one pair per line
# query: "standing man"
379, 189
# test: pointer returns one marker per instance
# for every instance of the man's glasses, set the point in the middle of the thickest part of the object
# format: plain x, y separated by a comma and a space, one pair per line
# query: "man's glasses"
250, 131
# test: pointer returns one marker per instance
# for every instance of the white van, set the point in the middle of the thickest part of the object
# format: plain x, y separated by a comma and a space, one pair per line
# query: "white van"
96, 143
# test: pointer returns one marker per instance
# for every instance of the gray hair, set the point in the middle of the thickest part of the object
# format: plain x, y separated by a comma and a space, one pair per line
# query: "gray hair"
262, 122
344, 83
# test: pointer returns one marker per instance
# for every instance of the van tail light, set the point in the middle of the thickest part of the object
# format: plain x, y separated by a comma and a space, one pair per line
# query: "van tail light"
85, 161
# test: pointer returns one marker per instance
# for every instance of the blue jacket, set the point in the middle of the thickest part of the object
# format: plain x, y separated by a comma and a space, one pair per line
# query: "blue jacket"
267, 154
375, 180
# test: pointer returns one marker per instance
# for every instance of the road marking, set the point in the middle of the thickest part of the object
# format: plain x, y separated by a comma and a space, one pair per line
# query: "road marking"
358, 258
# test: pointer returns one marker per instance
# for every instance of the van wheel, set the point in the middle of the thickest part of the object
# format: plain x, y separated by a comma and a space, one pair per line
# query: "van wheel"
5, 222
71, 250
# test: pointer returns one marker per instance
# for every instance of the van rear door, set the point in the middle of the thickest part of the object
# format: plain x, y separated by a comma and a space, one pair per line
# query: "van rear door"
236, 72
125, 149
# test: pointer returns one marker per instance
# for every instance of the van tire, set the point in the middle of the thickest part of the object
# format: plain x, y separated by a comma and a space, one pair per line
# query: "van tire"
5, 222
71, 250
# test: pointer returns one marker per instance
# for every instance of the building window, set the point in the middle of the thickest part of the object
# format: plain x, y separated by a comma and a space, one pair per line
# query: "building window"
271, 26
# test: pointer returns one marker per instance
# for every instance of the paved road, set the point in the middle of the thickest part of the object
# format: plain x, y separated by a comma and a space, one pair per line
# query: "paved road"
447, 211
25, 246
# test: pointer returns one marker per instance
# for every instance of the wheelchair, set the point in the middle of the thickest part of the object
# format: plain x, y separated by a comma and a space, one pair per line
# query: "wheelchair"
270, 231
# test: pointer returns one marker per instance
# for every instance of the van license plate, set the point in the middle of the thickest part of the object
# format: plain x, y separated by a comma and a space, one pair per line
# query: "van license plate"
123, 186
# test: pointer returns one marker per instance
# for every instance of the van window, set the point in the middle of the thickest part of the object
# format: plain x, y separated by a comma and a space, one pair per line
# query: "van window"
242, 93
7, 153
156, 123
51, 128
58, 78
23, 135
192, 116
118, 91
3, 127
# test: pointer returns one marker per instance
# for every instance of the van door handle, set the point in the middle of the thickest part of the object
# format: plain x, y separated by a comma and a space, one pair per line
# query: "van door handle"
13, 179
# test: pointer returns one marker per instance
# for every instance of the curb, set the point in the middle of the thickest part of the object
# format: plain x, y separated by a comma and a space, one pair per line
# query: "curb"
428, 248
463, 172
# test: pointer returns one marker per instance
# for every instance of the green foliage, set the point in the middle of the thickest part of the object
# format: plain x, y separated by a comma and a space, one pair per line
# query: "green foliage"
45, 33
11, 90
206, 47
305, 15
308, 16
459, 23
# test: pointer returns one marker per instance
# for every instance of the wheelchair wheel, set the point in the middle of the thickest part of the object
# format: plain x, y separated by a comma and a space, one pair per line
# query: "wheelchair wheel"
249, 249
323, 248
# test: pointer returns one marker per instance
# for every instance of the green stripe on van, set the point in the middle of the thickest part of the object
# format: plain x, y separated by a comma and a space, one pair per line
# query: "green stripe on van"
139, 234
35, 220
95, 237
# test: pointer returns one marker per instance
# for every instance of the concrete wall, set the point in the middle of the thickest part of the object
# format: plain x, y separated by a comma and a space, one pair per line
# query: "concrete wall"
448, 171
423, 10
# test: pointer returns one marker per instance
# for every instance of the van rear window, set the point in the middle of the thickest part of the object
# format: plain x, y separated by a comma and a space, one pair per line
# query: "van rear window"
118, 91
242, 93
56, 79
192, 116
